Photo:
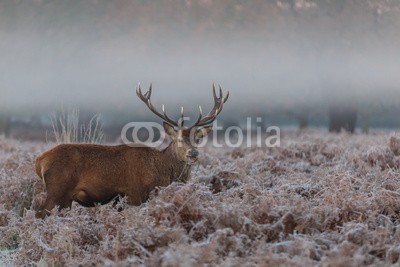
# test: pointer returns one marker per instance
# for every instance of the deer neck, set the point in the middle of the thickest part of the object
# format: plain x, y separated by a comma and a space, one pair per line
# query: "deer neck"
177, 169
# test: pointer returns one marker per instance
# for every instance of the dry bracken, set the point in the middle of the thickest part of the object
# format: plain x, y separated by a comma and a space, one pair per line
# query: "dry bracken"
274, 206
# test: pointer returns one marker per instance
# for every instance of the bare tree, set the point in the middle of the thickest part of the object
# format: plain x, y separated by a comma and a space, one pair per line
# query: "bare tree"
342, 118
4, 125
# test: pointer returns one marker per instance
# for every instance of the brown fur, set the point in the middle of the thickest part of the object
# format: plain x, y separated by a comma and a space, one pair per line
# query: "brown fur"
92, 174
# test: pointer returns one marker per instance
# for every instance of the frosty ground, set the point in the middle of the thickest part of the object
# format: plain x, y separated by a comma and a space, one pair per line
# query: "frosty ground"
318, 199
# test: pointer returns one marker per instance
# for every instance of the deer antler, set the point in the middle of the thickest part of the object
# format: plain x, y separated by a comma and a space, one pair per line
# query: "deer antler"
146, 99
201, 121
212, 115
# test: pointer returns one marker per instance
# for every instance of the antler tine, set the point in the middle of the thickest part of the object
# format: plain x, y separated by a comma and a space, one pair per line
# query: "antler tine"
218, 105
146, 99
168, 119
149, 92
181, 119
214, 94
199, 118
226, 97
139, 91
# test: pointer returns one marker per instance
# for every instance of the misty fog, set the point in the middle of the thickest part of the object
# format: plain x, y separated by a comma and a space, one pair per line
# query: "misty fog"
271, 55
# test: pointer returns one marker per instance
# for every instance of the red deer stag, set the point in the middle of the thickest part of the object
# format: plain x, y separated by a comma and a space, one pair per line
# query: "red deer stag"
90, 174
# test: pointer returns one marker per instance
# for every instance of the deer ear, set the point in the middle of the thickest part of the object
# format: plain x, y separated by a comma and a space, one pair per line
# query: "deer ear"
203, 132
169, 129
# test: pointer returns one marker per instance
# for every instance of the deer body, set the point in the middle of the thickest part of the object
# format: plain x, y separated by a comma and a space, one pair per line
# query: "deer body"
90, 174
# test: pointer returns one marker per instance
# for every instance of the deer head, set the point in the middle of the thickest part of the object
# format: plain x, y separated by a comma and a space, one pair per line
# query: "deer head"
185, 139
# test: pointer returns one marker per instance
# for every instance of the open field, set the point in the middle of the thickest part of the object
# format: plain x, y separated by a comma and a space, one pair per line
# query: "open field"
319, 199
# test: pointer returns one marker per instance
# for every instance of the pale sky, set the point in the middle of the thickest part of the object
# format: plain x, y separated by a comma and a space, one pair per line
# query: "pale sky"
44, 71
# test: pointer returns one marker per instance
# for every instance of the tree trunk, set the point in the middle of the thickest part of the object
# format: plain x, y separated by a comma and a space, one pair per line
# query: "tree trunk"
4, 125
342, 118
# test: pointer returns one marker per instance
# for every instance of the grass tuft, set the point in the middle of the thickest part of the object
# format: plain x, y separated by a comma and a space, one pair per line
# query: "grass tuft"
67, 128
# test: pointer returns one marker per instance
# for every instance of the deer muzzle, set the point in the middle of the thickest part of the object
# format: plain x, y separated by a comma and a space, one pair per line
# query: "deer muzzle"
192, 153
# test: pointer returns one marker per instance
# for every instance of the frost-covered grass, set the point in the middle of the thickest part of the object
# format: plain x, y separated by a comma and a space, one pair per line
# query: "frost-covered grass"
319, 199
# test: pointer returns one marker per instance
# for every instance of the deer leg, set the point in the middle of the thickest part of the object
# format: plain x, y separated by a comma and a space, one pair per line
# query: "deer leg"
56, 195
53, 199
66, 203
83, 198
134, 199
45, 209
50, 203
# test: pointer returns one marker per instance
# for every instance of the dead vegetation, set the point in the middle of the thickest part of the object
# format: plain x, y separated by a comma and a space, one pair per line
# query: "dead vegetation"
319, 199
68, 129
